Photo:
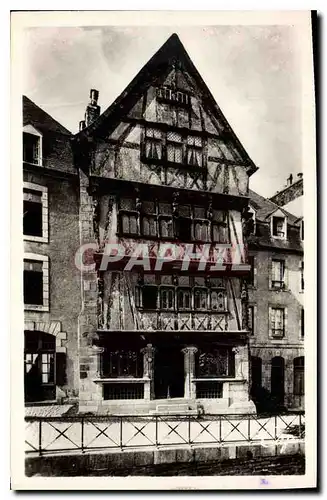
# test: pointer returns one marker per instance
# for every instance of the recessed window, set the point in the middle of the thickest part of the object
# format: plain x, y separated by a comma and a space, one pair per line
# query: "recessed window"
279, 227
31, 148
215, 363
36, 282
302, 230
277, 322
174, 147
194, 151
278, 274
298, 371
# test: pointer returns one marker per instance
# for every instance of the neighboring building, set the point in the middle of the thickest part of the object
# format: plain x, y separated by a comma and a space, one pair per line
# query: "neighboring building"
276, 313
51, 237
162, 166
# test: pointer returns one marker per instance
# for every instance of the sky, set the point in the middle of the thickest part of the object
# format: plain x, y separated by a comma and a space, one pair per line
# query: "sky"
253, 72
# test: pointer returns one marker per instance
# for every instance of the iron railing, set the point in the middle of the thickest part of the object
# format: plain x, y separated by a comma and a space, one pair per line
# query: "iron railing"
50, 435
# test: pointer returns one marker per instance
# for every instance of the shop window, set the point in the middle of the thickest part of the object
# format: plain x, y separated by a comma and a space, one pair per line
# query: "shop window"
121, 363
215, 363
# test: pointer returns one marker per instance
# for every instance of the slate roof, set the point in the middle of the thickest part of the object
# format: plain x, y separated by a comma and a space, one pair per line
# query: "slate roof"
264, 208
42, 121
263, 239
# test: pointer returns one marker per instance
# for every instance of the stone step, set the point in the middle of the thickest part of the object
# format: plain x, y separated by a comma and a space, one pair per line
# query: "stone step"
175, 409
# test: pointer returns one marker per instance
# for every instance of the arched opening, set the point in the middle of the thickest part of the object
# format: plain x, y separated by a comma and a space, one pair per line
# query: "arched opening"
278, 380
298, 381
39, 366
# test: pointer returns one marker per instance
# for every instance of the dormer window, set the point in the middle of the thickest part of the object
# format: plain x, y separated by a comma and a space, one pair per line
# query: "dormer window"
279, 226
32, 145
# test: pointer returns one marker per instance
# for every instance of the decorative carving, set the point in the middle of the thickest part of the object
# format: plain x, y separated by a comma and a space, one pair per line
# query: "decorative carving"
244, 301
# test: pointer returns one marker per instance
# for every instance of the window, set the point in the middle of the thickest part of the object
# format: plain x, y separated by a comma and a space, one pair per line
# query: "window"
36, 285
184, 299
177, 97
279, 227
251, 319
153, 144
302, 276
128, 216
302, 230
33, 282
211, 362
174, 147
149, 219
167, 298
219, 226
277, 322
200, 299
183, 296
298, 370
218, 300
31, 148
121, 363
184, 223
194, 151
302, 323
278, 274
35, 212
149, 297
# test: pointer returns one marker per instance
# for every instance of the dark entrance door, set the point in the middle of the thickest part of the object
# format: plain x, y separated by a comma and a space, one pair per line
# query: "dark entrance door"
278, 380
169, 373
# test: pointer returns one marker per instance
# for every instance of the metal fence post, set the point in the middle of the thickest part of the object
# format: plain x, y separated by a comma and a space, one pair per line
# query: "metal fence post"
121, 433
40, 437
82, 435
189, 429
156, 430
249, 428
220, 429
276, 426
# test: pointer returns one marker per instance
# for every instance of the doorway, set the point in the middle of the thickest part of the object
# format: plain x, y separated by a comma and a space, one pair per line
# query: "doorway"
169, 373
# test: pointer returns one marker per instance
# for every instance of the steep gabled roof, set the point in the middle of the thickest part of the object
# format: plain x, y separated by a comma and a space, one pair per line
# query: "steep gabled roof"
172, 50
42, 121
265, 208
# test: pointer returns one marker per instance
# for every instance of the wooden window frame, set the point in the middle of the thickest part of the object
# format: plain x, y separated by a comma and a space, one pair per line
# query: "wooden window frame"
278, 284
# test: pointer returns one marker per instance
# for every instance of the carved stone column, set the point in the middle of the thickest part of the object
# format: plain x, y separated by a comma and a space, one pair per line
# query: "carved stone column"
148, 370
189, 371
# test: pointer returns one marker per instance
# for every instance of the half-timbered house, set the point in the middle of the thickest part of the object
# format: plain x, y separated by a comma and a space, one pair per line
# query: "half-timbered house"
163, 210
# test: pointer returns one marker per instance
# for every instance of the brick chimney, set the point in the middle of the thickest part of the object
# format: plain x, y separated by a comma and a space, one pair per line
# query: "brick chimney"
92, 109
